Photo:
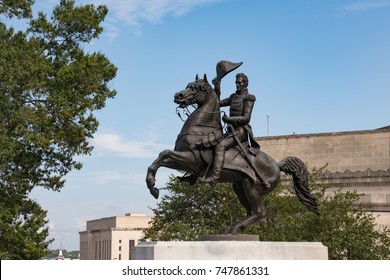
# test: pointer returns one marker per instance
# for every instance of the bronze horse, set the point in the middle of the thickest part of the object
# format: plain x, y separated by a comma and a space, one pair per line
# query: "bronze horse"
193, 154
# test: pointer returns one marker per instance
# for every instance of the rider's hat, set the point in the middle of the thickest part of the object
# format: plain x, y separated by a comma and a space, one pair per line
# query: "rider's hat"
224, 67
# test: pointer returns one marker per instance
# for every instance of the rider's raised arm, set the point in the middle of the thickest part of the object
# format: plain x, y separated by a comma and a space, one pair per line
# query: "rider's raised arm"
217, 87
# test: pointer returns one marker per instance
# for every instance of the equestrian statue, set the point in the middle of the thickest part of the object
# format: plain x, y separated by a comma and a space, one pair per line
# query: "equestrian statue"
206, 153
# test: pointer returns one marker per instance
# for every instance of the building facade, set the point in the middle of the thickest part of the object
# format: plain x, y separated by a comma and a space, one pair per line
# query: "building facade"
112, 238
353, 160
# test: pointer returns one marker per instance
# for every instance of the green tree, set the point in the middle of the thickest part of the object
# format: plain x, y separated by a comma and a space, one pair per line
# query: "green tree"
188, 211
18, 8
50, 88
346, 229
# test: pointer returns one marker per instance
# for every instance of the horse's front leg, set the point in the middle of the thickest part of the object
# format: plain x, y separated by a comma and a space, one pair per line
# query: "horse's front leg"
167, 158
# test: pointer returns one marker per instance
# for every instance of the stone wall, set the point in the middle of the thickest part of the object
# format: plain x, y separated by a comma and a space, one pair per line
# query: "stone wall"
354, 160
353, 150
119, 222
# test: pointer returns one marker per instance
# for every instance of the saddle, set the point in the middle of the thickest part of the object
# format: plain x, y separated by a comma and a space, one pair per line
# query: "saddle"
211, 140
232, 157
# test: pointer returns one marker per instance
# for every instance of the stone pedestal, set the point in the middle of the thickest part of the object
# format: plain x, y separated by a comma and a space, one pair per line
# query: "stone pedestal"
230, 250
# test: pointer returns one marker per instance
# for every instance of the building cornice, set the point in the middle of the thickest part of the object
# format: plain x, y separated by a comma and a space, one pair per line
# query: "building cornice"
348, 174
322, 134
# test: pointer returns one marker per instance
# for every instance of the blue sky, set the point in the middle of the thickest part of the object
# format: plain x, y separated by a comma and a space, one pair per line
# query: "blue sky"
314, 66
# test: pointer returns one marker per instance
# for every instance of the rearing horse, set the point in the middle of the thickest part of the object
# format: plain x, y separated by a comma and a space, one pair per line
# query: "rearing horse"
193, 154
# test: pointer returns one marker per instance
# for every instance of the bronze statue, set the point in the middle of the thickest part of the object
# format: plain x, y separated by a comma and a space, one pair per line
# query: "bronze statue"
239, 130
237, 157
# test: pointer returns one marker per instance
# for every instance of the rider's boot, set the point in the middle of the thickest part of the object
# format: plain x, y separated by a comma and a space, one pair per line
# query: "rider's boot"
219, 158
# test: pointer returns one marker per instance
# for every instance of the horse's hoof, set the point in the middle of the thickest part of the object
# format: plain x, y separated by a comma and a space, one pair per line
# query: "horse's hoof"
155, 192
234, 230
150, 182
226, 230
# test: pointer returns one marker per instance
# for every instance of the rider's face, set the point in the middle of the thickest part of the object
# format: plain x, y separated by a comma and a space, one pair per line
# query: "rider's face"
240, 85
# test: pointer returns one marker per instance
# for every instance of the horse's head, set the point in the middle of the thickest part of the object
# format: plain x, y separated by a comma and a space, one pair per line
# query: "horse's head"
197, 92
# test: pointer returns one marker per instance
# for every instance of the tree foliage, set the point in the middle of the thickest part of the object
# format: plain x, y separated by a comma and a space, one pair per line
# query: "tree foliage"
49, 89
188, 211
18, 8
346, 229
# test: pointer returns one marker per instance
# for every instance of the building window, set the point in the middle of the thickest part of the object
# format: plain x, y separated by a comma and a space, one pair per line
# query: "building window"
96, 250
120, 256
104, 250
100, 250
120, 248
131, 248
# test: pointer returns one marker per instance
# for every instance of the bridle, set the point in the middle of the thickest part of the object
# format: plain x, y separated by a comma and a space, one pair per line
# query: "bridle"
194, 96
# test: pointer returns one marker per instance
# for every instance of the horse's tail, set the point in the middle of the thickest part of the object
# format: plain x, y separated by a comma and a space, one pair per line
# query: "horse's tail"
297, 169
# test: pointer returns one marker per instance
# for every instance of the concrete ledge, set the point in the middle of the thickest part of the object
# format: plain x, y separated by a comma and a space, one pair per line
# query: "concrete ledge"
229, 250
229, 237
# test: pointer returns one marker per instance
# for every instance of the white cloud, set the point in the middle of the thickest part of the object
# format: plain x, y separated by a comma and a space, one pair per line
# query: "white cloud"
114, 145
132, 179
111, 31
133, 13
66, 236
51, 225
362, 6
106, 177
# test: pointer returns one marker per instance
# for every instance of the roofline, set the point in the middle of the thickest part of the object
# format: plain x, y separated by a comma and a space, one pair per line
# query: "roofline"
378, 130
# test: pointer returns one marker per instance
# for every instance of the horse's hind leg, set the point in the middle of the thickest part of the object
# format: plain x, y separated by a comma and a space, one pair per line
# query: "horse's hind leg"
241, 195
250, 198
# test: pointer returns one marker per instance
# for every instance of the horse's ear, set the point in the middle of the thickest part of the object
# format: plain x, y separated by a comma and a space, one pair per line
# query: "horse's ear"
197, 77
205, 78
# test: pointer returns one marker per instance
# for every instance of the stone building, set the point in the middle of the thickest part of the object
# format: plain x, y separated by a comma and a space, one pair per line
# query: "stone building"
354, 160
112, 237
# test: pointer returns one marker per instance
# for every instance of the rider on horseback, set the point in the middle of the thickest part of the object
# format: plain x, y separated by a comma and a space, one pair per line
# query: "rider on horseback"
252, 176
241, 104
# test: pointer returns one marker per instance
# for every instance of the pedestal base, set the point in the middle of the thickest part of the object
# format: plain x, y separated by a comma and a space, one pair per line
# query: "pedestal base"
230, 250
